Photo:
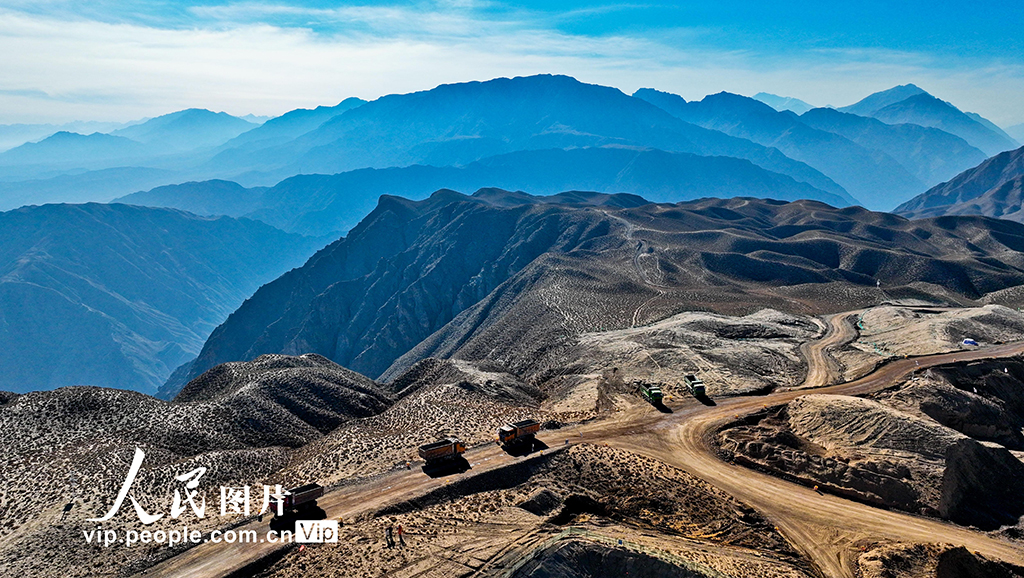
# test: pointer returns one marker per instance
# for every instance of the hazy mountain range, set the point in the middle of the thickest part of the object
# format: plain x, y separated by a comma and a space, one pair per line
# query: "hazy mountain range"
877, 164
12, 135
118, 296
325, 204
187, 130
1017, 132
782, 103
870, 175
911, 104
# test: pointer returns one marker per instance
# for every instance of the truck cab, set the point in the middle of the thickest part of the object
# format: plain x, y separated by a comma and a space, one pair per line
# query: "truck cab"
651, 393
695, 385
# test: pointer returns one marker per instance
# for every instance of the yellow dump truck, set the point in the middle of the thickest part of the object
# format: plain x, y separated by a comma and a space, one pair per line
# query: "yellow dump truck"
442, 450
518, 432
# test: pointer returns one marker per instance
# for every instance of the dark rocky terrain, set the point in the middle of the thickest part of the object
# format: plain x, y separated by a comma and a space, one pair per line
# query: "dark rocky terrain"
118, 296
580, 559
475, 277
994, 188
939, 560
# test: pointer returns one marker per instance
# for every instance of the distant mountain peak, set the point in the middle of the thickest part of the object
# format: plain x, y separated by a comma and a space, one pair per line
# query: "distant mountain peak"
187, 129
640, 93
872, 103
783, 103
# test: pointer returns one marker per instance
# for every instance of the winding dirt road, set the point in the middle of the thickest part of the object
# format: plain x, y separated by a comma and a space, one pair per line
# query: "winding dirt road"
822, 368
825, 528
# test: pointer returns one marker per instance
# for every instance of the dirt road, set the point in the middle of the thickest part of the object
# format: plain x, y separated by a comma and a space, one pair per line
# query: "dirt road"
826, 528
822, 368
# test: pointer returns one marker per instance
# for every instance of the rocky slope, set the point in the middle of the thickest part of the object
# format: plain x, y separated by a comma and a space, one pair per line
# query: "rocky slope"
74, 445
119, 296
473, 278
939, 560
994, 188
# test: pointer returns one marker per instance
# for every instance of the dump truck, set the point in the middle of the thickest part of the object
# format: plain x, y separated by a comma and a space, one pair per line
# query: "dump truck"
695, 385
650, 392
302, 498
442, 450
518, 432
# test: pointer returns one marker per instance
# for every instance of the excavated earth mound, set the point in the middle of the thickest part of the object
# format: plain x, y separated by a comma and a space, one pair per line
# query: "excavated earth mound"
733, 355
939, 444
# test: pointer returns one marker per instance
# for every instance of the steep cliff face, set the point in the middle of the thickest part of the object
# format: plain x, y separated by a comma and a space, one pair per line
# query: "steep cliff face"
982, 486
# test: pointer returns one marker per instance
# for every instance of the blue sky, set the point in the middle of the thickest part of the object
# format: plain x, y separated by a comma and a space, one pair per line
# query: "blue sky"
104, 60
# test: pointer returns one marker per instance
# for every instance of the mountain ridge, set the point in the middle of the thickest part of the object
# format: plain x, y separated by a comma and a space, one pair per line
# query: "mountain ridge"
470, 121
994, 188
871, 176
321, 204
467, 278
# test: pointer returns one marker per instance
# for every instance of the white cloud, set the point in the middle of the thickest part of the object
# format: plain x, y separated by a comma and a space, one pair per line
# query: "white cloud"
58, 68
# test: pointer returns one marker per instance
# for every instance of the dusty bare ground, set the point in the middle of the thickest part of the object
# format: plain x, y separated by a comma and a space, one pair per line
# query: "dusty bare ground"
914, 560
886, 332
484, 525
733, 355
387, 441
705, 526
